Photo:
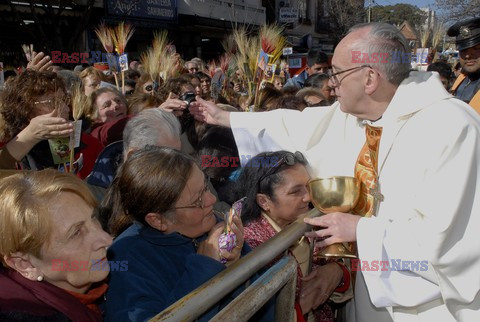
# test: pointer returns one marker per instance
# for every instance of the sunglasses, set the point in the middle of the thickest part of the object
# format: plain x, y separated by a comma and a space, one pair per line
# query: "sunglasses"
288, 159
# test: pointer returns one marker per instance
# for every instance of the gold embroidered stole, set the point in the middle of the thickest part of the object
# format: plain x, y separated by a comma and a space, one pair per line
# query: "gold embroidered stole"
366, 172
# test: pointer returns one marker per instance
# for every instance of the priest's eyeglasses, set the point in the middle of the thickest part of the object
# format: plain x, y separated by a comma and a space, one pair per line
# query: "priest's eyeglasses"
289, 159
200, 202
333, 76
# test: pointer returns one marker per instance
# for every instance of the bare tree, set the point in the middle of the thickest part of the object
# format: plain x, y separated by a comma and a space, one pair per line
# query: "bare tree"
344, 14
459, 9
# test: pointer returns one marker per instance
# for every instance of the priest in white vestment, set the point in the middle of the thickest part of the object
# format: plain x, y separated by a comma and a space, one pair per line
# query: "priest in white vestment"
429, 170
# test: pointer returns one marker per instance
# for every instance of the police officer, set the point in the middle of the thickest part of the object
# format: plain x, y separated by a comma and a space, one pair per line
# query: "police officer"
467, 85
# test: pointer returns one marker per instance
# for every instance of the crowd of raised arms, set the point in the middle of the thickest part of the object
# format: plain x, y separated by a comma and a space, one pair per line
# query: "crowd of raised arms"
124, 188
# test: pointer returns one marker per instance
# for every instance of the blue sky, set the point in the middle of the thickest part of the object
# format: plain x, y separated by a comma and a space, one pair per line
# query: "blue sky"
418, 3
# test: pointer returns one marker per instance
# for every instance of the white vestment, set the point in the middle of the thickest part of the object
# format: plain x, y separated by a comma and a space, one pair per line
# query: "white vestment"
429, 171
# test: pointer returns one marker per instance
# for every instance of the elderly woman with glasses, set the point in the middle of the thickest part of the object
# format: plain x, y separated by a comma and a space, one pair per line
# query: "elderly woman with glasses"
171, 240
275, 184
34, 107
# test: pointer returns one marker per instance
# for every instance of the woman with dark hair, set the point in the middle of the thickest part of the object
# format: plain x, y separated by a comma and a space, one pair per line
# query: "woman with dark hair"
219, 156
268, 98
275, 184
205, 82
161, 197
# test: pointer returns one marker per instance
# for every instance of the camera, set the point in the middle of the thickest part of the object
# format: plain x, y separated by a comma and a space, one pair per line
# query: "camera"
188, 97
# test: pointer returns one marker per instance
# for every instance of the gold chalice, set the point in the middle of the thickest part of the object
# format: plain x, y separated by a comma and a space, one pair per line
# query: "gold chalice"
332, 195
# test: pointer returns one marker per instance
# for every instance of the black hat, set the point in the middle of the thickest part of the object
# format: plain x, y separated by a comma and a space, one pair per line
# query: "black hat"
467, 33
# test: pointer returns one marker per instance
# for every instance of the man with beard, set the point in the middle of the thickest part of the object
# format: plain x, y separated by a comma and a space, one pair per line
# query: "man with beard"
467, 85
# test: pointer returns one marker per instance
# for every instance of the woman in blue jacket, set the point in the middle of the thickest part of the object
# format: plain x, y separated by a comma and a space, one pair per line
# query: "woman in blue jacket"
171, 243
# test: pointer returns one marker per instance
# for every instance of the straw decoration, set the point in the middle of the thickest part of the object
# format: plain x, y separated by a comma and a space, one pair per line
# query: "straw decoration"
272, 41
158, 61
81, 104
121, 35
104, 34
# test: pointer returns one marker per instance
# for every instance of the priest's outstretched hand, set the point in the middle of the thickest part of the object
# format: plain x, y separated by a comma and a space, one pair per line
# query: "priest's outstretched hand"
338, 227
209, 112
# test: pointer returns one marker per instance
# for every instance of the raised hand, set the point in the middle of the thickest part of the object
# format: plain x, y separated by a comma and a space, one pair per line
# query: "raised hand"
42, 127
209, 112
174, 105
39, 62
48, 126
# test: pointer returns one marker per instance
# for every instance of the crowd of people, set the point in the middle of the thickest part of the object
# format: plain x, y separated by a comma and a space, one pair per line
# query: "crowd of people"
129, 221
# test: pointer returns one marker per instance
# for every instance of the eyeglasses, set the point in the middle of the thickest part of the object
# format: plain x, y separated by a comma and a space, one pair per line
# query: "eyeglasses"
200, 202
288, 159
55, 101
333, 76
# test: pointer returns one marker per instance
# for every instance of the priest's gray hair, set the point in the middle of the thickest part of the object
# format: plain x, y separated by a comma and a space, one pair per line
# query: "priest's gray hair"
385, 38
150, 127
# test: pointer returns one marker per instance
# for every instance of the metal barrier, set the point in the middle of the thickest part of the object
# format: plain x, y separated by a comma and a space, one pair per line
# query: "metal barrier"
201, 299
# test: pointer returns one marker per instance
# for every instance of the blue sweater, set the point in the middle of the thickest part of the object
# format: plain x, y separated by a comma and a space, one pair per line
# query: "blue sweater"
161, 269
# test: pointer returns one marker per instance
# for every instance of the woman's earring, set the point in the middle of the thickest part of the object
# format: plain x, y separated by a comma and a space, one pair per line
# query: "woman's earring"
40, 278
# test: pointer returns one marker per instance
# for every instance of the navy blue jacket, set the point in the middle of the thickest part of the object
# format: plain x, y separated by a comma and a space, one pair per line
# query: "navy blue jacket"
162, 268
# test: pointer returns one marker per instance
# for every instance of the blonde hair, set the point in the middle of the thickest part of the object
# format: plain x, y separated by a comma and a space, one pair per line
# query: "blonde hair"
25, 224
91, 71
